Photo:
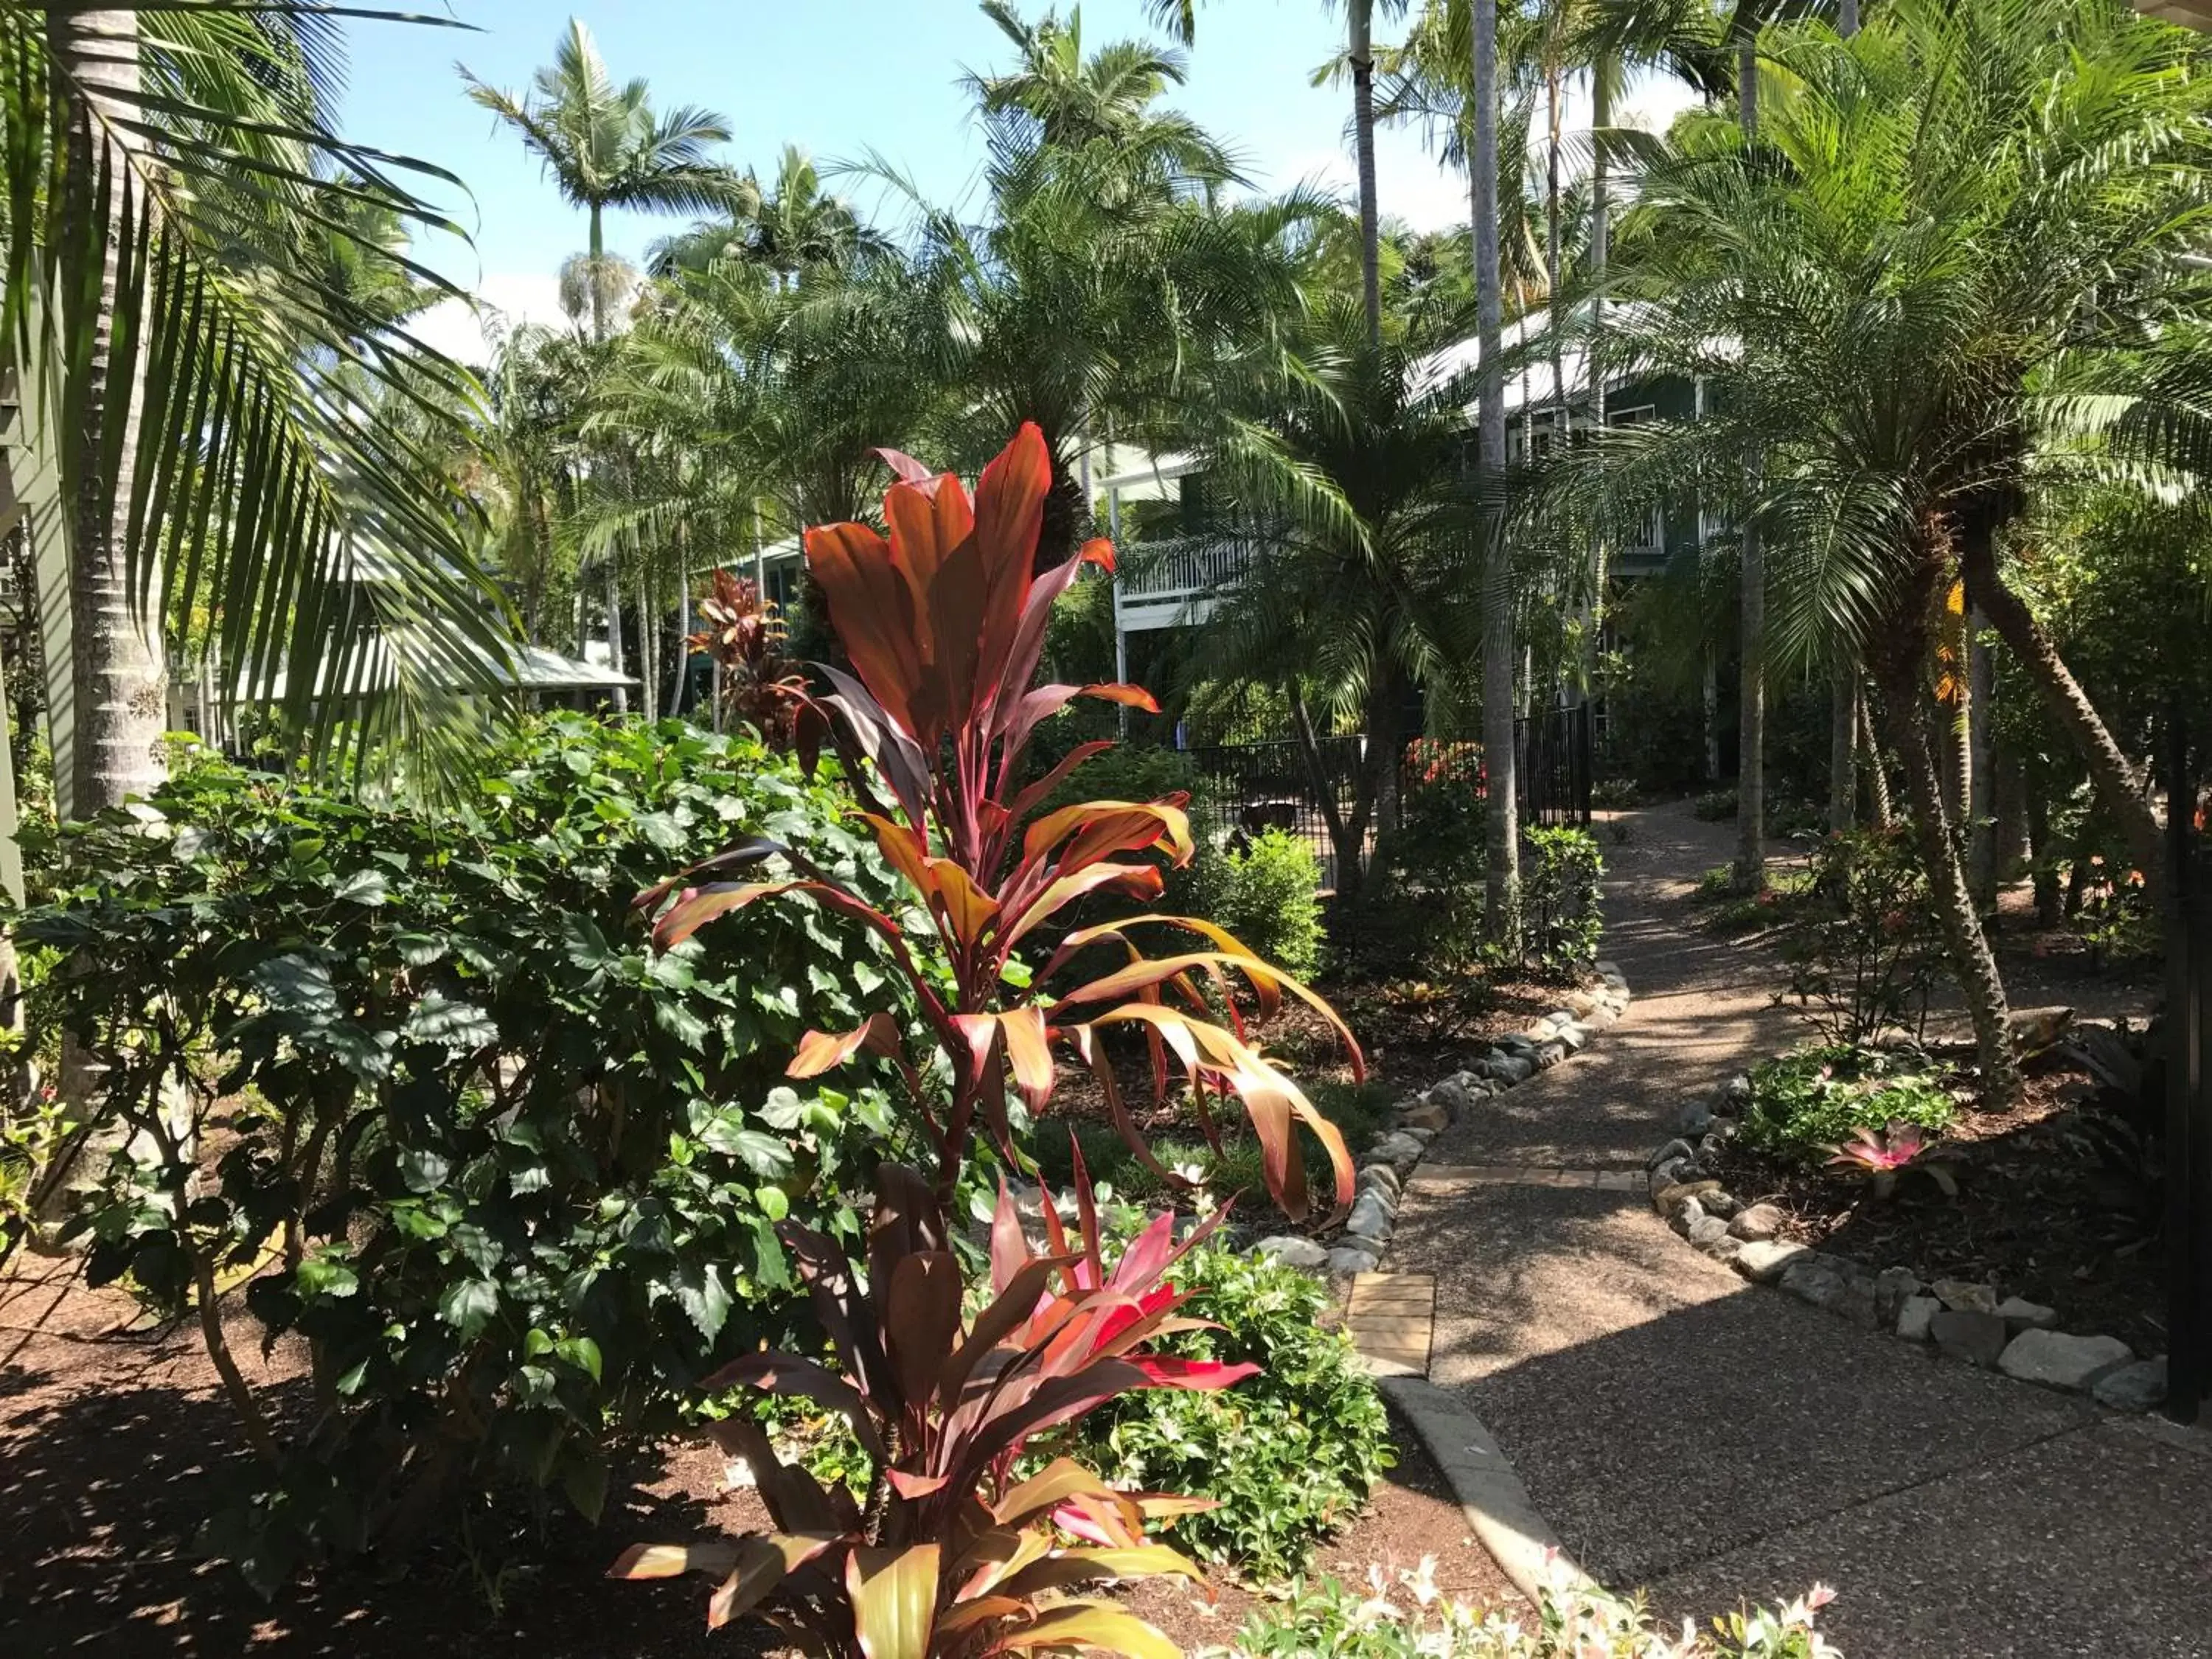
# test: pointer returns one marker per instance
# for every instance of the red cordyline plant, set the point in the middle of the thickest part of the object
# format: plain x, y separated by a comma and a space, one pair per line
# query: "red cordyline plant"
949, 1556
945, 627
759, 685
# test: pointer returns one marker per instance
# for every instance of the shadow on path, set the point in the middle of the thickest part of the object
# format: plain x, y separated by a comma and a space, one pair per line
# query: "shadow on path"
1714, 1441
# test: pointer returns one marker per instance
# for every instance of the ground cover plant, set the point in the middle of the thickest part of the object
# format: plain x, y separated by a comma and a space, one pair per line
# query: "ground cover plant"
418, 1090
1806, 1104
949, 1552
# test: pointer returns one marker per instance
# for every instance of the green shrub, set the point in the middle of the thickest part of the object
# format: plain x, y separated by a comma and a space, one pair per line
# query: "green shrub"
1866, 953
512, 1175
1805, 1103
1428, 919
1269, 898
1136, 771
1715, 805
1562, 897
1328, 1620
1290, 1454
1616, 794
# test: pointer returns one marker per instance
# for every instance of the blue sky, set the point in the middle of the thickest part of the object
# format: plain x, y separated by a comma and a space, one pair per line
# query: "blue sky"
840, 77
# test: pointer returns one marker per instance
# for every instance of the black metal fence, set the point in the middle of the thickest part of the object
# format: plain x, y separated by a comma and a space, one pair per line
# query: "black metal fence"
1279, 785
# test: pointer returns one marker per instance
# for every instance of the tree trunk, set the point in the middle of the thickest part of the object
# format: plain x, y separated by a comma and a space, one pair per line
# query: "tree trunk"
1971, 961
1344, 843
648, 644
1502, 875
118, 671
615, 634
598, 286
1751, 721
1847, 18
680, 682
1842, 748
1712, 707
2119, 786
2043, 861
1981, 766
1361, 13
1885, 815
1552, 247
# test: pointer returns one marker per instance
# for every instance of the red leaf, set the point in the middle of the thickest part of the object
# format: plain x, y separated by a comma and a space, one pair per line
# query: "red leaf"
1199, 1375
821, 1051
872, 608
1009, 514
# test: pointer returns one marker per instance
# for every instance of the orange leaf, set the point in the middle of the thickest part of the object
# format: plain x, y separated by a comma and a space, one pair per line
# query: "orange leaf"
821, 1051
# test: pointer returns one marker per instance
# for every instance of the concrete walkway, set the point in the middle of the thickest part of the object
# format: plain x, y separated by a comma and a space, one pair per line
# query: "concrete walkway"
1714, 1441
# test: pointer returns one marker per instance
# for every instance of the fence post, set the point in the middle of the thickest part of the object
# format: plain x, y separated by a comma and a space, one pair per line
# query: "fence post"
2188, 1155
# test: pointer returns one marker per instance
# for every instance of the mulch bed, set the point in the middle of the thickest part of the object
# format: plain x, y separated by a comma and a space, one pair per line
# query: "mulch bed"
114, 1448
2042, 1210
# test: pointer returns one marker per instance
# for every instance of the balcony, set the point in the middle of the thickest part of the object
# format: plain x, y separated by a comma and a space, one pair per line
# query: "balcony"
2191, 13
1173, 589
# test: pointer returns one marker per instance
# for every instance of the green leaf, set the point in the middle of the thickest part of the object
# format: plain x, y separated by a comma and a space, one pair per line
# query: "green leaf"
469, 1304
702, 1295
584, 1478
326, 1274
763, 1153
437, 1019
583, 1353
774, 1202
424, 1169
363, 887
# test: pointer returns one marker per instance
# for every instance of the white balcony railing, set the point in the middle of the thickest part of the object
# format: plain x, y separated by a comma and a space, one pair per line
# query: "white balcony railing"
1151, 577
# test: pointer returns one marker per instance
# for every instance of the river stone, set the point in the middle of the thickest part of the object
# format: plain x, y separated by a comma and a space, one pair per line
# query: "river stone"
1292, 1251
2137, 1388
1916, 1317
1697, 1117
1892, 1288
1510, 1069
1757, 1224
1832, 1285
1519, 1042
1380, 1177
1370, 1217
1448, 1101
2059, 1361
1671, 1197
1964, 1296
1351, 1258
1706, 1230
1672, 1149
2021, 1315
1976, 1337
1401, 1151
1574, 1035
1735, 1093
1764, 1261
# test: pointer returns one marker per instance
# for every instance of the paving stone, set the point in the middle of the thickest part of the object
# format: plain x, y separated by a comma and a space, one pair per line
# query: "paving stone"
1976, 1338
2059, 1361
1757, 1223
1916, 1317
2021, 1315
1293, 1251
2137, 1388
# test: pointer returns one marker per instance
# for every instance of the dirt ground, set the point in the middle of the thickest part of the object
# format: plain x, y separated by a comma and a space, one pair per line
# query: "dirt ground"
115, 1444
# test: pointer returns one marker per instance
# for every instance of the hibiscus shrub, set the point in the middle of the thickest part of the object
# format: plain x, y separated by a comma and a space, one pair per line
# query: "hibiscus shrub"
950, 1553
420, 1084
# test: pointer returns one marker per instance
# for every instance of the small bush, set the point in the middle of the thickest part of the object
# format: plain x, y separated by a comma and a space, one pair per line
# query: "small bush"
1804, 1103
1328, 1620
1715, 805
1269, 898
512, 1175
1428, 919
1290, 1454
1561, 901
1867, 954
1615, 795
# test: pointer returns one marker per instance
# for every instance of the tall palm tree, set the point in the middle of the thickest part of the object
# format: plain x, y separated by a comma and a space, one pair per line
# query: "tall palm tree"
1339, 474
1949, 275
606, 146
201, 368
1501, 877
791, 226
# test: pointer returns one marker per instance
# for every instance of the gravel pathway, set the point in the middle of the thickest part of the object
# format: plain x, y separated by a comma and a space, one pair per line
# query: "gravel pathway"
1713, 1441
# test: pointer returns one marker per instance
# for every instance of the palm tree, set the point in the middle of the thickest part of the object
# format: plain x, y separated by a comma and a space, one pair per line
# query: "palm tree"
1938, 284
606, 146
792, 227
201, 355
1501, 877
1340, 475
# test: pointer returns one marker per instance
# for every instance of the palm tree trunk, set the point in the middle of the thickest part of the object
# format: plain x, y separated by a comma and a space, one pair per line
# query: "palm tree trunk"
1551, 246
1842, 748
598, 284
615, 634
1362, 54
117, 668
1502, 876
1884, 814
1751, 723
1972, 960
2119, 786
681, 681
1847, 18
648, 644
1981, 765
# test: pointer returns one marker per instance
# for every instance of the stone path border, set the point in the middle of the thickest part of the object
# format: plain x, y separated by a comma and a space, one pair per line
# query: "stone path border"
1960, 1319
1389, 1163
1496, 1504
